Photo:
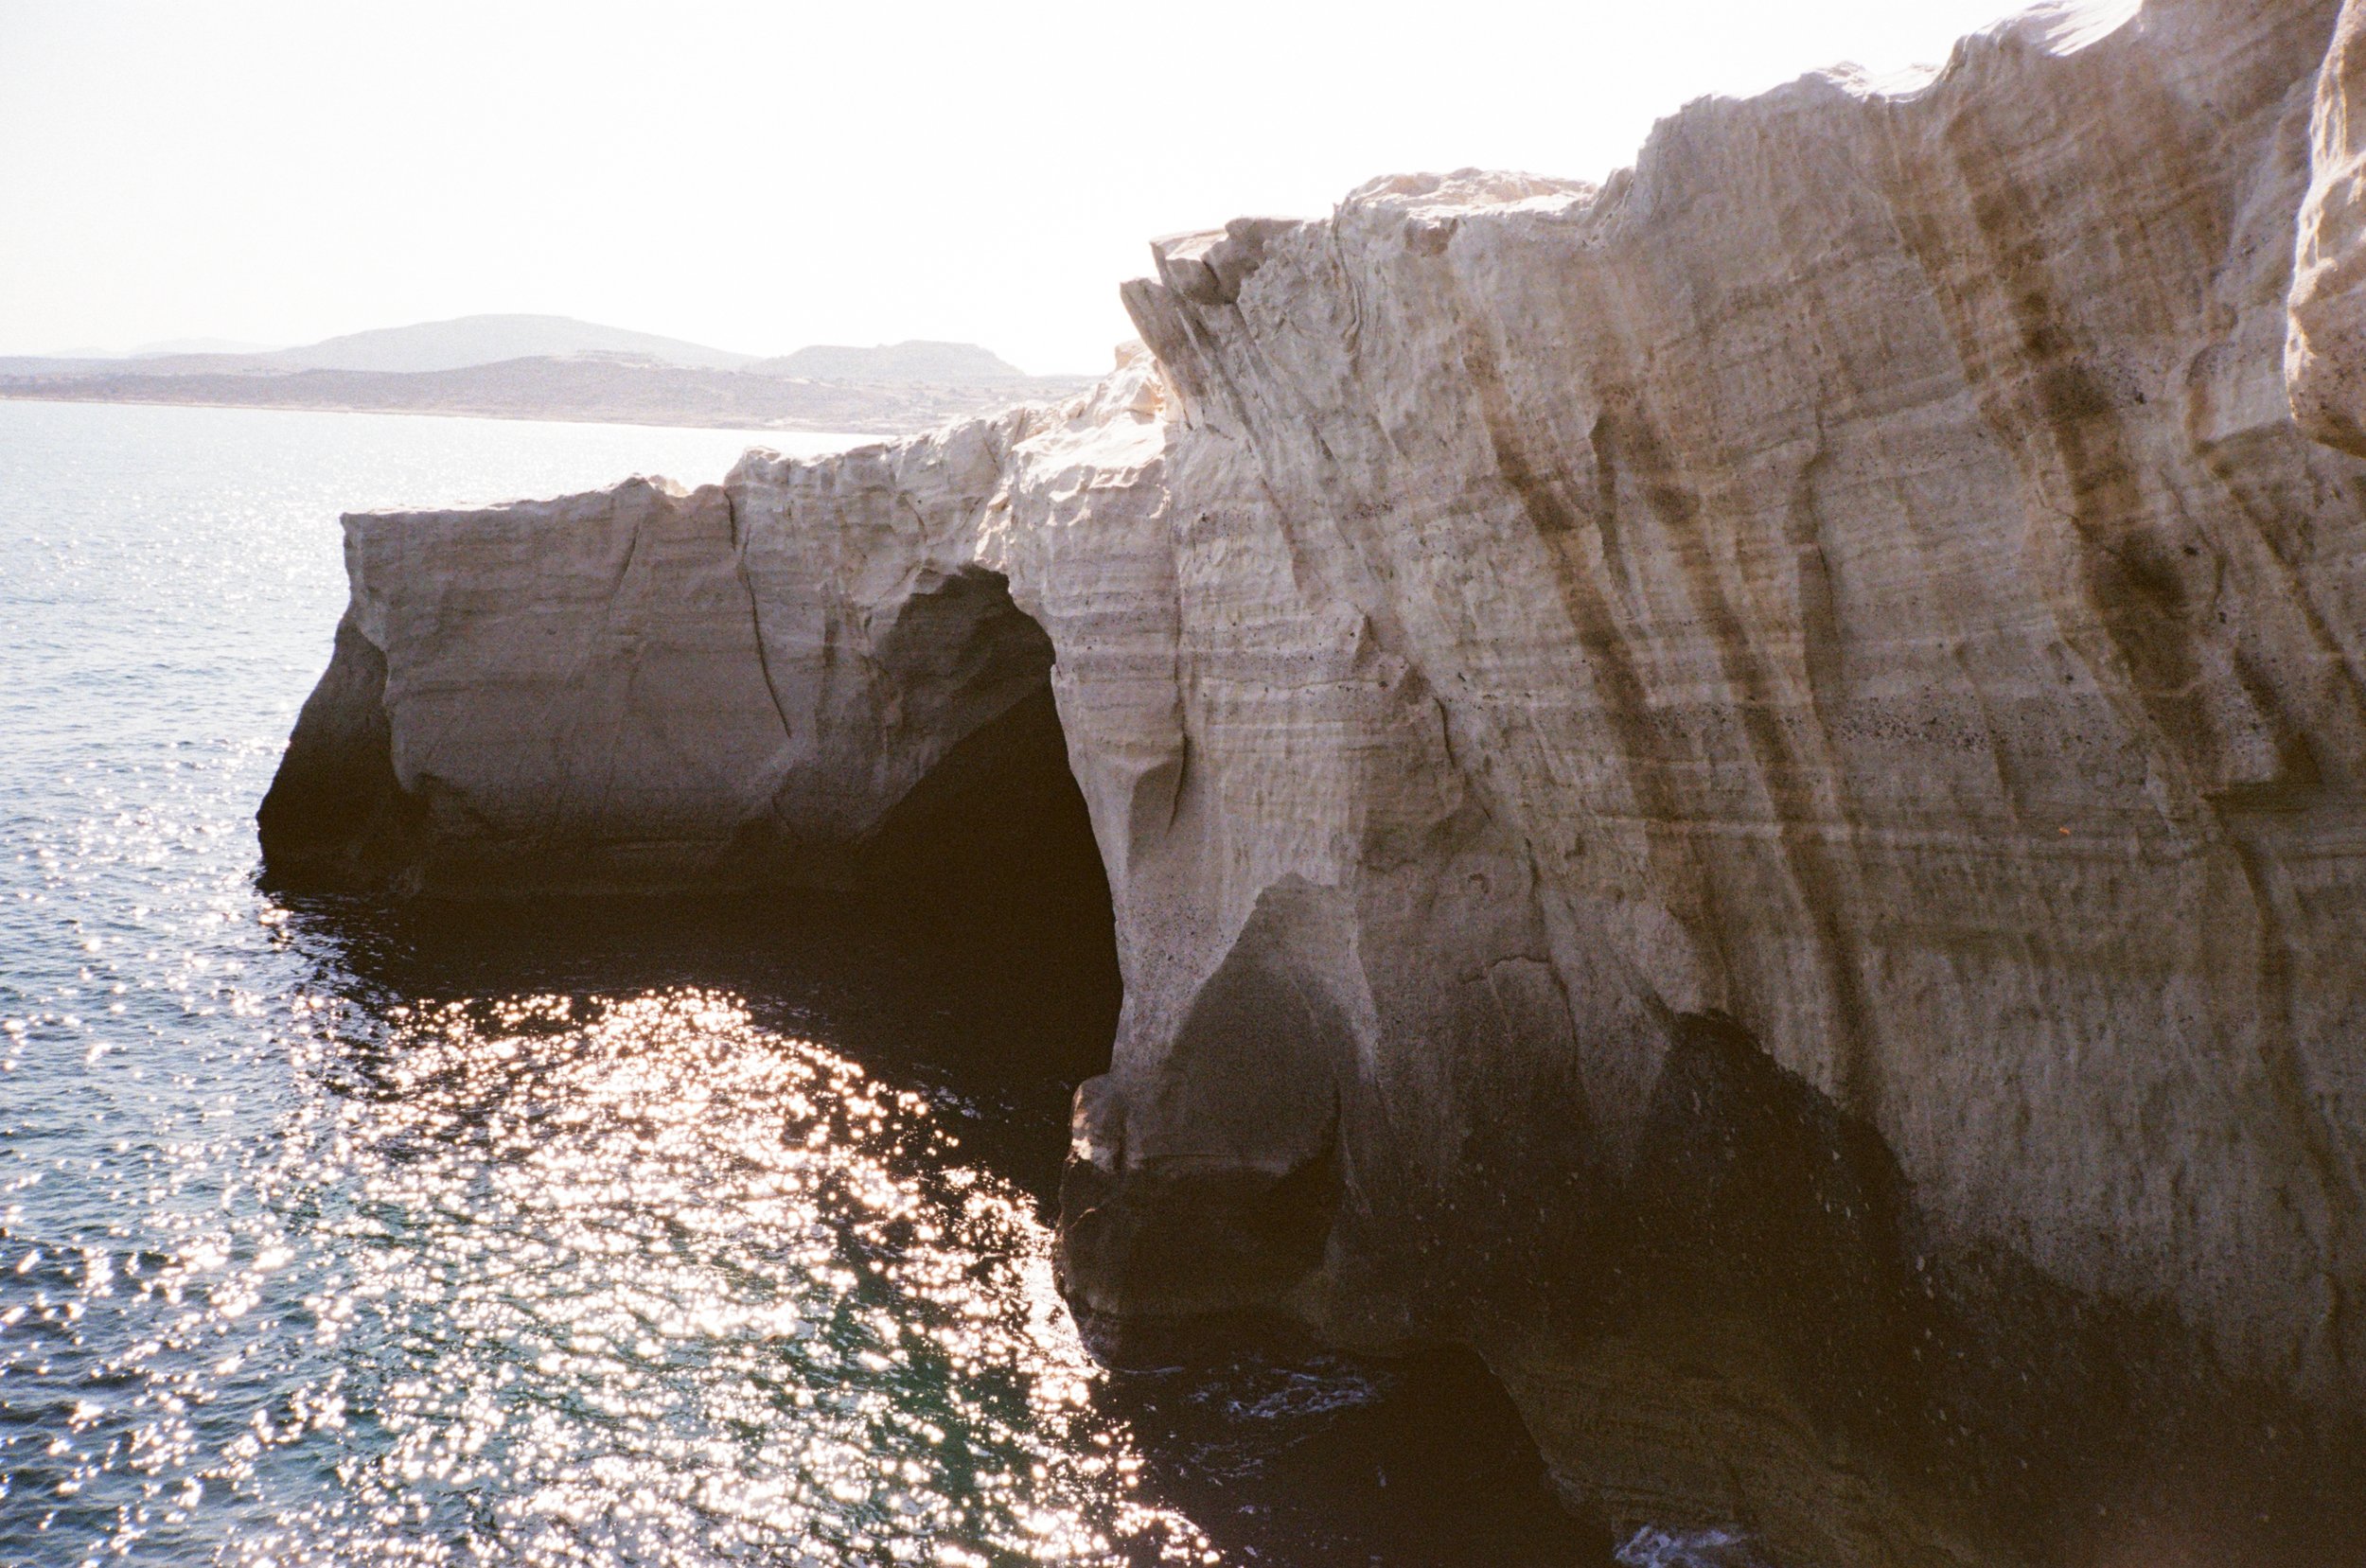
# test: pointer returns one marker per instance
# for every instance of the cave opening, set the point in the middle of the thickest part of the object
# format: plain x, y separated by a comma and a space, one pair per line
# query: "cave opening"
988, 866
968, 944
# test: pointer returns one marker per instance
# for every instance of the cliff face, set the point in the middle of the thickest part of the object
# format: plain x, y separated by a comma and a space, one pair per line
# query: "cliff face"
1740, 788
2325, 351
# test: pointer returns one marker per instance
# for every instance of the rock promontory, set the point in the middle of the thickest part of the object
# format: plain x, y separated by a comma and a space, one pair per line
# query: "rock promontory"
1743, 788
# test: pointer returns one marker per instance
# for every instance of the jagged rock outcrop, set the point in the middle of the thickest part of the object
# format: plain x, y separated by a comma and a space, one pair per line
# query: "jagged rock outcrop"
1741, 788
608, 727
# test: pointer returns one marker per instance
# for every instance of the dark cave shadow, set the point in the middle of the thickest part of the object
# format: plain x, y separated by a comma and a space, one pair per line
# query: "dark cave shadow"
1297, 1458
2067, 1426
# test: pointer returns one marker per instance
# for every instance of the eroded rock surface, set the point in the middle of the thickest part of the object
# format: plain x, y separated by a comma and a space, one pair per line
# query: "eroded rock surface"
1740, 788
2325, 353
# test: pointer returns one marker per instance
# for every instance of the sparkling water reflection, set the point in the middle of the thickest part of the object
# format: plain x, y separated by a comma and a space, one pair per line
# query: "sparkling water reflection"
544, 1280
321, 1245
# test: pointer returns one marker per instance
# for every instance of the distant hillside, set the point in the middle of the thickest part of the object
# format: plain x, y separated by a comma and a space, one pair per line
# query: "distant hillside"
591, 387
896, 363
489, 340
471, 341
551, 367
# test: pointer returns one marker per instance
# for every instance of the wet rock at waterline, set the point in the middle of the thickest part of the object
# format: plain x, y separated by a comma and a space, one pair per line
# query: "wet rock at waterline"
1740, 789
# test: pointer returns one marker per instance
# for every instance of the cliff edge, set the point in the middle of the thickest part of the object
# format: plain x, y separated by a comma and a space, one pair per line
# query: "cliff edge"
1740, 788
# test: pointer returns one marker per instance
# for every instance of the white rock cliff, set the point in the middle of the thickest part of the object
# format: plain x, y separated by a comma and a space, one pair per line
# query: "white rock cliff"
1741, 788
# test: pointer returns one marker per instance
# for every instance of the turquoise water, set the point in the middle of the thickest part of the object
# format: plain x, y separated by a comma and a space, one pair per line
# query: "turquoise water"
638, 1234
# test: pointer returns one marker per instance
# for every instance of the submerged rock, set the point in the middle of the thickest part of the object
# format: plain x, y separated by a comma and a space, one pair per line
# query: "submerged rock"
1741, 790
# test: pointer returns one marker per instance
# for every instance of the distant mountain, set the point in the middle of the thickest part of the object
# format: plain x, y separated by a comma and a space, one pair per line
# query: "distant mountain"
605, 387
489, 340
551, 367
471, 341
895, 363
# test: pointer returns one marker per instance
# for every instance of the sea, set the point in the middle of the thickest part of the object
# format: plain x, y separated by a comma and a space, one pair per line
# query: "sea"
672, 1233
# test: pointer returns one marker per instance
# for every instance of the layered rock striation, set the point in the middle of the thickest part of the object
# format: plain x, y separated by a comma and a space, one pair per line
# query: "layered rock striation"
1740, 788
2327, 342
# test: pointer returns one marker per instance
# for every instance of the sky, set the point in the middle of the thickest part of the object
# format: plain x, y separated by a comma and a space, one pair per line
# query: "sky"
763, 176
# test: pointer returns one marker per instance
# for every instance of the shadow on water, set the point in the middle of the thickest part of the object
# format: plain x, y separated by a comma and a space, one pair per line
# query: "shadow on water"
998, 1045
1319, 1459
1281, 1456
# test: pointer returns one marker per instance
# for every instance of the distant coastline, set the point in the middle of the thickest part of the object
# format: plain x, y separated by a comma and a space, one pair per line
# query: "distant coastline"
552, 368
860, 436
578, 390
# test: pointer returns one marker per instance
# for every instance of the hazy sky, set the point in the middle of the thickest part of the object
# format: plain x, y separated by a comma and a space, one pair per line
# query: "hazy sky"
760, 177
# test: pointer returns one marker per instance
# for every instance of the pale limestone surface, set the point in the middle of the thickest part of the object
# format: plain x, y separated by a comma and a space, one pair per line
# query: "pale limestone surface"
2324, 356
609, 725
1830, 645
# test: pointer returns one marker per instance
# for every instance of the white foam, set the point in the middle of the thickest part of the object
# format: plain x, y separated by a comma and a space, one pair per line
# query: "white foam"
1656, 1548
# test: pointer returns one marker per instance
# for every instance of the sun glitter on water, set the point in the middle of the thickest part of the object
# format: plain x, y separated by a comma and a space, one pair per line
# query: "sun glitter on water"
627, 1280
